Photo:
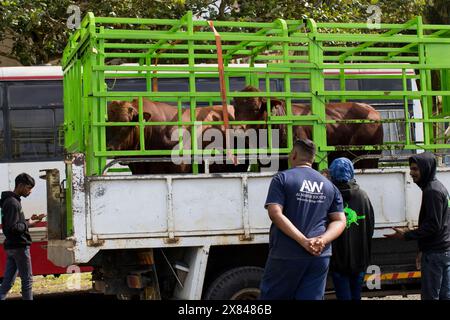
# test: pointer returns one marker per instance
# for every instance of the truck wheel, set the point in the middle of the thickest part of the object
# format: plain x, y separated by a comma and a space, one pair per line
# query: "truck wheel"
236, 284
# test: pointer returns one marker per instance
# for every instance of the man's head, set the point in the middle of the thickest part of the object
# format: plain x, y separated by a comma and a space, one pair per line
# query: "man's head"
414, 171
24, 183
341, 170
303, 153
422, 168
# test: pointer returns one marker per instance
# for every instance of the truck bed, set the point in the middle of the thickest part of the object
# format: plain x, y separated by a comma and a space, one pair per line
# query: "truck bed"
156, 211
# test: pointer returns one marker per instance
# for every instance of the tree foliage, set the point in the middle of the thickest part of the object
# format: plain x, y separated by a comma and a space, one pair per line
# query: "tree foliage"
438, 12
37, 31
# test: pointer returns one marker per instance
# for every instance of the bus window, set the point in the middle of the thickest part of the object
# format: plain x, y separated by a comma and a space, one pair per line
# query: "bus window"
59, 122
32, 134
2, 134
2, 126
335, 85
213, 84
35, 113
32, 94
383, 84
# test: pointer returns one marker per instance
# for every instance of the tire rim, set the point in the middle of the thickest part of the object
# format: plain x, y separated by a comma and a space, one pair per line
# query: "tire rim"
246, 294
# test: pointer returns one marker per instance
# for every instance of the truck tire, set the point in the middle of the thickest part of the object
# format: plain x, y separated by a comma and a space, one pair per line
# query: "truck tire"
236, 284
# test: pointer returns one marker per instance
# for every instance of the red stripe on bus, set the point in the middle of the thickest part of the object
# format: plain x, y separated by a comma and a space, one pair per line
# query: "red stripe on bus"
37, 77
372, 72
31, 78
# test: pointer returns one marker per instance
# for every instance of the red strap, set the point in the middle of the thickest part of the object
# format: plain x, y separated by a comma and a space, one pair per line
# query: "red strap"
223, 93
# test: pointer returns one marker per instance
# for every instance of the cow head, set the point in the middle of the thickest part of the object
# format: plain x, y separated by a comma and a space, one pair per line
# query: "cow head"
249, 108
123, 137
255, 108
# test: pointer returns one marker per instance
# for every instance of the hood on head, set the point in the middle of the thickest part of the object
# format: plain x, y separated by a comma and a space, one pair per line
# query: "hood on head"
341, 170
427, 165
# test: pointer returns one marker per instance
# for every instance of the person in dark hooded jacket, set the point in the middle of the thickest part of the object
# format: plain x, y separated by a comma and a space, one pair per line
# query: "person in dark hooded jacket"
17, 237
433, 232
352, 250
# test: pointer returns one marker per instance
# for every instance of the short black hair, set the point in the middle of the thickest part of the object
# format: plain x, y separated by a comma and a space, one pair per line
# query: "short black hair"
307, 149
25, 179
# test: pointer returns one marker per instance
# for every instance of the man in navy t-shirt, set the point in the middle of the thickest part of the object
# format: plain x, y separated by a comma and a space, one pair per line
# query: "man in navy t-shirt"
307, 214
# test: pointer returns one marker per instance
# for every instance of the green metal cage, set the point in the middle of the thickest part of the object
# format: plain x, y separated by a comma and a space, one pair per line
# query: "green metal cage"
282, 49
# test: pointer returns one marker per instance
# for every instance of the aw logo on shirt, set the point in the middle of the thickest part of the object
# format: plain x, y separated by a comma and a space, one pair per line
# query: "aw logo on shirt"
311, 186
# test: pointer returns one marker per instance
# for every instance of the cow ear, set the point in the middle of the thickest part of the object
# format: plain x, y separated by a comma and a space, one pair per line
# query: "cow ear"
276, 102
276, 107
113, 103
147, 116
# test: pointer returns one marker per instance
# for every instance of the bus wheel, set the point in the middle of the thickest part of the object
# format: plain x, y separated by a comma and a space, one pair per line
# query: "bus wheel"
236, 284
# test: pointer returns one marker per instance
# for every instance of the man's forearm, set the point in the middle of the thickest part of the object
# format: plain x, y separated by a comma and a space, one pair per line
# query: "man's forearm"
334, 230
32, 223
285, 225
423, 231
288, 228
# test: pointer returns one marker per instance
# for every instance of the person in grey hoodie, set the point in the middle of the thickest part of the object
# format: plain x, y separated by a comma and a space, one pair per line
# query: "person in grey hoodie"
17, 237
433, 232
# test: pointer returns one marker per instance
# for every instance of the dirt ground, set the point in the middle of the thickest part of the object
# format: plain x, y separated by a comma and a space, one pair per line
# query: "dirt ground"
51, 284
82, 283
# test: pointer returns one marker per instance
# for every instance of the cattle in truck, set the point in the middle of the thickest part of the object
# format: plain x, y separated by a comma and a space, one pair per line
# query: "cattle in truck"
166, 137
338, 134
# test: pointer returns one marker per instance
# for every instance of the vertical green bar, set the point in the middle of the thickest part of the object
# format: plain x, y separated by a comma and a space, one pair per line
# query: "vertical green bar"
445, 86
406, 108
148, 75
180, 127
430, 108
227, 91
141, 124
342, 83
87, 92
67, 110
269, 112
102, 114
90, 107
254, 80
287, 84
428, 129
317, 101
248, 79
192, 90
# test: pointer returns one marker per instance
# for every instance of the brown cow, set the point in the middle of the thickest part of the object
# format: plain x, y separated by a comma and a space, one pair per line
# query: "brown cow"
162, 137
255, 108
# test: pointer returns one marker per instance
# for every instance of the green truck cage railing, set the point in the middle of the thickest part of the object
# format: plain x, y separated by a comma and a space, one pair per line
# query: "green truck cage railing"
282, 49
